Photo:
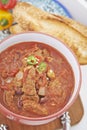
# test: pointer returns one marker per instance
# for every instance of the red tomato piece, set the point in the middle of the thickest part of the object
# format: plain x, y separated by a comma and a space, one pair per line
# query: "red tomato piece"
7, 4
39, 58
4, 87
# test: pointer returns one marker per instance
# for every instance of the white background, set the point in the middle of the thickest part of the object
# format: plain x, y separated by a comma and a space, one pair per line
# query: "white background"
78, 9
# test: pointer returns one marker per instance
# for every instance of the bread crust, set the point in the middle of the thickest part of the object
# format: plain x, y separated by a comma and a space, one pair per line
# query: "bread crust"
74, 24
73, 34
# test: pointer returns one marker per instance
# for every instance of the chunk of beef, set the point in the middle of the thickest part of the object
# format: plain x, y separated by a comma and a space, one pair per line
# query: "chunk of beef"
29, 85
30, 97
45, 53
55, 88
41, 80
17, 83
34, 107
9, 97
4, 74
55, 93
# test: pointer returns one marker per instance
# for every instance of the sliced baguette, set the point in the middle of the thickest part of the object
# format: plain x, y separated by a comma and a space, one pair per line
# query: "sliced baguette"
76, 25
16, 29
31, 18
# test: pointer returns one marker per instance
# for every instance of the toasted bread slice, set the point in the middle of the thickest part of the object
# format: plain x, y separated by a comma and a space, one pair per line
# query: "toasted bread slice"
76, 25
31, 18
16, 29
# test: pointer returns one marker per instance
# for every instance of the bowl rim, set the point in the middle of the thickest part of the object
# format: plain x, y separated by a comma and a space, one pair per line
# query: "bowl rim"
7, 112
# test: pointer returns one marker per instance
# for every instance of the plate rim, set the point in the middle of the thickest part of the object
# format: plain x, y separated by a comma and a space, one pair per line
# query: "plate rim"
64, 8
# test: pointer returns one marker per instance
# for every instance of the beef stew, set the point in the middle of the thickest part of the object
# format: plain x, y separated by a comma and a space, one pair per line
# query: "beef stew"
35, 79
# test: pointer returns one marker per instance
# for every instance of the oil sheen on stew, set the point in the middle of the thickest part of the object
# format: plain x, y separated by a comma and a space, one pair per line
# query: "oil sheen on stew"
35, 79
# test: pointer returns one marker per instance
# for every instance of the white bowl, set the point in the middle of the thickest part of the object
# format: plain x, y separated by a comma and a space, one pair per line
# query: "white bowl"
46, 39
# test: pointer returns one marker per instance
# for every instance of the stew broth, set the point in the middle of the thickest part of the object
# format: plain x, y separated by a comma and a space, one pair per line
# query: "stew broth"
35, 79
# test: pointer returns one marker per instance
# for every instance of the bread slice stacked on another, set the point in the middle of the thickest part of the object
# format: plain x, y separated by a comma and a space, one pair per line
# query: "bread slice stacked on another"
72, 33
